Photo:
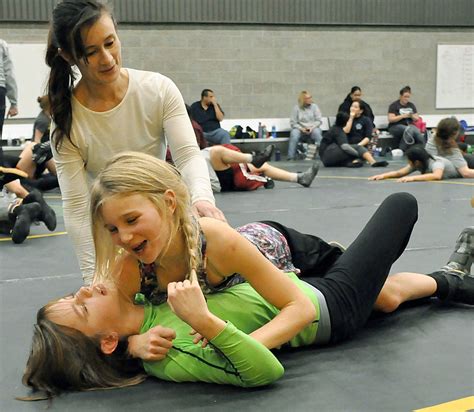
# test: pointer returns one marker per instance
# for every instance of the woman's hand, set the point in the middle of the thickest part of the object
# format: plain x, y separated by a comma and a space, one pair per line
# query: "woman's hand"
406, 179
152, 345
203, 208
377, 177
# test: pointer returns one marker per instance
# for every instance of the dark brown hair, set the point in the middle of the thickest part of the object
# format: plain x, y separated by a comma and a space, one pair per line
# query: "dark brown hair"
446, 134
69, 17
63, 359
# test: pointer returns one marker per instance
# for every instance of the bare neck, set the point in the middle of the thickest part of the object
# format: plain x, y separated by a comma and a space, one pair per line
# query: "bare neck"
101, 98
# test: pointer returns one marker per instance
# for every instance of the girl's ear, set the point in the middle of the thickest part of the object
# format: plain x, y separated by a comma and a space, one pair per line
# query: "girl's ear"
108, 343
170, 200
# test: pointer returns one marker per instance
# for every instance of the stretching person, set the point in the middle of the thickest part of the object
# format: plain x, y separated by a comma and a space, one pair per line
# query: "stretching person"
430, 168
231, 170
89, 328
443, 143
109, 110
336, 151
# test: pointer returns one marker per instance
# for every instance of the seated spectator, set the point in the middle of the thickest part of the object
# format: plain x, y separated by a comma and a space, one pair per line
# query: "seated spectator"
34, 160
232, 170
401, 114
335, 149
201, 141
20, 208
443, 143
430, 167
42, 121
208, 113
359, 127
355, 95
305, 122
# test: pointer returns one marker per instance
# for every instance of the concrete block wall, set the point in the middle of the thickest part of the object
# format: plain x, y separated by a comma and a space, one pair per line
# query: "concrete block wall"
259, 71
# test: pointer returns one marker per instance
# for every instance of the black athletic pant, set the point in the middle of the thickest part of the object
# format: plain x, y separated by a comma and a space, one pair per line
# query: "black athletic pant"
353, 283
310, 254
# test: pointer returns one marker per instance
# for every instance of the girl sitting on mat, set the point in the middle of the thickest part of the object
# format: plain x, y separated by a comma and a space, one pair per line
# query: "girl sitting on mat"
430, 168
443, 143
80, 341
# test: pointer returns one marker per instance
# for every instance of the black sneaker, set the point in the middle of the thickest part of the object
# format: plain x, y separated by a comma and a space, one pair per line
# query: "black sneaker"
382, 163
260, 158
306, 178
48, 216
25, 216
460, 286
269, 184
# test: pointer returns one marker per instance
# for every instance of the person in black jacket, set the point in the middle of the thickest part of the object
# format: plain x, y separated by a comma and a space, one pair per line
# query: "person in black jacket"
335, 149
356, 95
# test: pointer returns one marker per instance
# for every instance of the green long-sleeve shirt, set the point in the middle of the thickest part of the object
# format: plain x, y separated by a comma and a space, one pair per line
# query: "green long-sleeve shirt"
232, 357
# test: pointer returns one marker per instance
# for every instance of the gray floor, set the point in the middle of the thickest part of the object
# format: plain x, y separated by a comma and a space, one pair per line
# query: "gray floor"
415, 358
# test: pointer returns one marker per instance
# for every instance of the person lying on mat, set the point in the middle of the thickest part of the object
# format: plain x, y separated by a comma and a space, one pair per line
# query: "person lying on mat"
79, 341
431, 167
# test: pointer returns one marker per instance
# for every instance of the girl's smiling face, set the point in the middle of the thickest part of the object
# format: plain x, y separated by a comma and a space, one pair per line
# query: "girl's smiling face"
136, 224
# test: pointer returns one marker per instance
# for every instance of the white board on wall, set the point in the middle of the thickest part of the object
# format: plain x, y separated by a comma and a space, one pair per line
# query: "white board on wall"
31, 73
455, 76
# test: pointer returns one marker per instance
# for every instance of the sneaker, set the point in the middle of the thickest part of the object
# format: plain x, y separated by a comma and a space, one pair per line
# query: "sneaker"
25, 216
382, 163
354, 164
463, 255
260, 158
269, 184
48, 216
337, 245
460, 286
306, 178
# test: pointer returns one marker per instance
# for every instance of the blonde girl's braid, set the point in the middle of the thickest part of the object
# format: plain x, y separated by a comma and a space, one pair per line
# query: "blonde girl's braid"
191, 236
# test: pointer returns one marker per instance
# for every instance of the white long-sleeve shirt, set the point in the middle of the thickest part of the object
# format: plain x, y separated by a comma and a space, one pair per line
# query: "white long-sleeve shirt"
151, 108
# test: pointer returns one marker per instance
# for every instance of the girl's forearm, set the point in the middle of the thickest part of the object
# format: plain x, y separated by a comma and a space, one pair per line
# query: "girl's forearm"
286, 325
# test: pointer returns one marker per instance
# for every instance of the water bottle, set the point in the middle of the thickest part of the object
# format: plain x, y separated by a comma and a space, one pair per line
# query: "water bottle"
274, 132
277, 155
470, 149
260, 130
264, 132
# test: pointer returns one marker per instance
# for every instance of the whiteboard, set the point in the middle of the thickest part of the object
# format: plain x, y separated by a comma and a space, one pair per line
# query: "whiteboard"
455, 76
31, 74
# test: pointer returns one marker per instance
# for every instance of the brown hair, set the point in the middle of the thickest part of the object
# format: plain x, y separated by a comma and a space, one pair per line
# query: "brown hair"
69, 17
63, 359
446, 134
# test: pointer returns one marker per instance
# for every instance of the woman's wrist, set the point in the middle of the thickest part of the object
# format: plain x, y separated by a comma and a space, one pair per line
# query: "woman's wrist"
209, 325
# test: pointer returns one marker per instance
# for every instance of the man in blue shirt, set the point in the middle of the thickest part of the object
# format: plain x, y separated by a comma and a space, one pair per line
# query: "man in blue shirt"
208, 114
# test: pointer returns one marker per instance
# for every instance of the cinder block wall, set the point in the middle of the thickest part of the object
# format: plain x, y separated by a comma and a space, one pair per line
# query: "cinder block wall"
259, 71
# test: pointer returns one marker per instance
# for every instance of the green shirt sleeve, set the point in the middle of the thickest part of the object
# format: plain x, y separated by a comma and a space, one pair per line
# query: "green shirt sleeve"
232, 357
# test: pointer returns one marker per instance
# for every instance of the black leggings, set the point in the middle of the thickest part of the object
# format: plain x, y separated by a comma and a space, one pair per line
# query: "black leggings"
351, 286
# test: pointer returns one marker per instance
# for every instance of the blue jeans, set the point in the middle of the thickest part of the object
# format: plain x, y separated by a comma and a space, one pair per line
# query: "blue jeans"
218, 136
295, 136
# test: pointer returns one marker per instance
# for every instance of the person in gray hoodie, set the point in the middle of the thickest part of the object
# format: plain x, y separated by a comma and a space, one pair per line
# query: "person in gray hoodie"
8, 87
305, 121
